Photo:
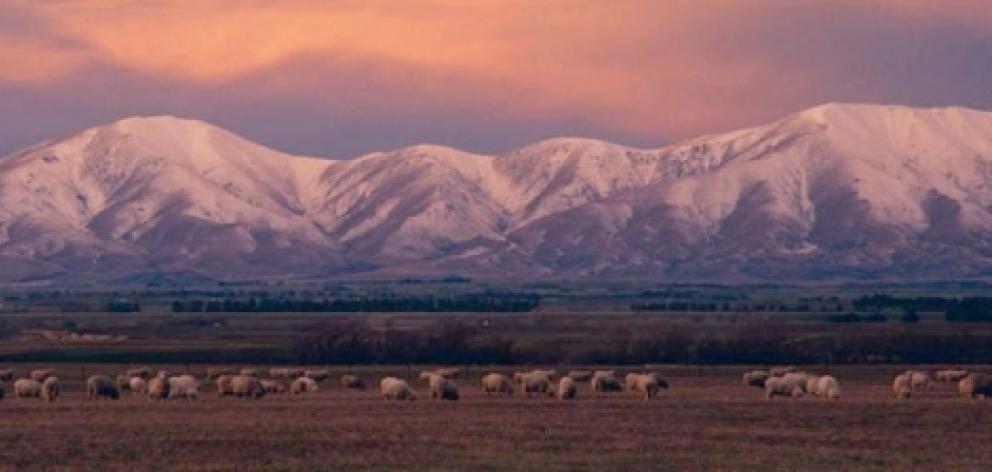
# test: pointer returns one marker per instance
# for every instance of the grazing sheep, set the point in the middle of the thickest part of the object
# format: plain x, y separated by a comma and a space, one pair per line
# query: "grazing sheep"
567, 388
497, 383
246, 386
27, 388
184, 387
143, 372
797, 379
223, 384
629, 380
950, 375
286, 372
812, 384
580, 375
6, 375
443, 389
605, 383
535, 383
158, 387
827, 387
756, 378
782, 387
902, 386
123, 383
248, 372
41, 374
101, 386
604, 373
919, 380
976, 385
214, 372
647, 384
393, 388
303, 385
781, 371
51, 388
317, 375
352, 381
137, 385
271, 386
549, 373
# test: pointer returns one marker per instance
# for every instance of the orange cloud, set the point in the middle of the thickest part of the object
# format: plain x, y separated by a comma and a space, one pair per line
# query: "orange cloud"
29, 62
634, 65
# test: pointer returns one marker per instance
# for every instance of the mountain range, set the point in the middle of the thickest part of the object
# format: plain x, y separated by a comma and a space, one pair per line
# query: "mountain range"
836, 192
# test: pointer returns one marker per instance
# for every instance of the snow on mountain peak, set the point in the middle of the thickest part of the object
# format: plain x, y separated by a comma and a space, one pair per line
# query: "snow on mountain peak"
832, 191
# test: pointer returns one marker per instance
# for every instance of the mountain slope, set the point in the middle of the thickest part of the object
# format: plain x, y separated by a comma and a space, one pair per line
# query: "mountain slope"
833, 192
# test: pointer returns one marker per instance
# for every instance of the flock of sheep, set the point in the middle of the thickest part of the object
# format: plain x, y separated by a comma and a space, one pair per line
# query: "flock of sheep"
786, 382
247, 383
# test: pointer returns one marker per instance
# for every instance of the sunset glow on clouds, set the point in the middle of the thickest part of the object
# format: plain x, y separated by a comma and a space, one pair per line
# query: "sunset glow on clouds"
340, 77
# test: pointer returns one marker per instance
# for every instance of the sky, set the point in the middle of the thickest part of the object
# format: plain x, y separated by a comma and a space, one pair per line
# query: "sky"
339, 78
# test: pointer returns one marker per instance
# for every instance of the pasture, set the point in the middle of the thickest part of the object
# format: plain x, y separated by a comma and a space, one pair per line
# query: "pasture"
708, 420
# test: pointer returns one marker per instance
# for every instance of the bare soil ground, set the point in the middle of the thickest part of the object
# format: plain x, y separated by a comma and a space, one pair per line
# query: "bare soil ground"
707, 421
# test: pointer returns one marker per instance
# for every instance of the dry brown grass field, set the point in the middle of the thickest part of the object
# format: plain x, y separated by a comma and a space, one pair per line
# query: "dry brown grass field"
708, 420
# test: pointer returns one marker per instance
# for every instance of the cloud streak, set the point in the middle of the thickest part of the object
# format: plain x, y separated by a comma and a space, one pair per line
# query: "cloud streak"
639, 70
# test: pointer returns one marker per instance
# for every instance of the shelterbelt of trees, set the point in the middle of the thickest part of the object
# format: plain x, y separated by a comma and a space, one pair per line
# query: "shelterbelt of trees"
481, 303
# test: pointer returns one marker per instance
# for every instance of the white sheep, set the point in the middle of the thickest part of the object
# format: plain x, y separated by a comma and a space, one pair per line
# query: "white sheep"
393, 388
605, 383
567, 388
352, 381
101, 386
902, 386
812, 384
534, 383
184, 386
827, 387
51, 388
976, 385
497, 383
158, 387
223, 384
647, 384
919, 380
27, 388
549, 373
782, 387
272, 386
303, 385
247, 386
137, 385
441, 388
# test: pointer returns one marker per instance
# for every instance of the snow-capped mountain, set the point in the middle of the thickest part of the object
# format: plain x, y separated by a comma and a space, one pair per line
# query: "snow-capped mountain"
834, 192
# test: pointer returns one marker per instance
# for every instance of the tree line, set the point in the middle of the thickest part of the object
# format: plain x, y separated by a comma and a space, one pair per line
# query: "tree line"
967, 309
453, 342
385, 304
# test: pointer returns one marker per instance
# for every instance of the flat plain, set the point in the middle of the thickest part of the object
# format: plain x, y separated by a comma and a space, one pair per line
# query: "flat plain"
708, 420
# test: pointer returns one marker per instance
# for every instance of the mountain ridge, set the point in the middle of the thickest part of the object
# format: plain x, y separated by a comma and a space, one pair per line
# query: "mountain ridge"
838, 191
